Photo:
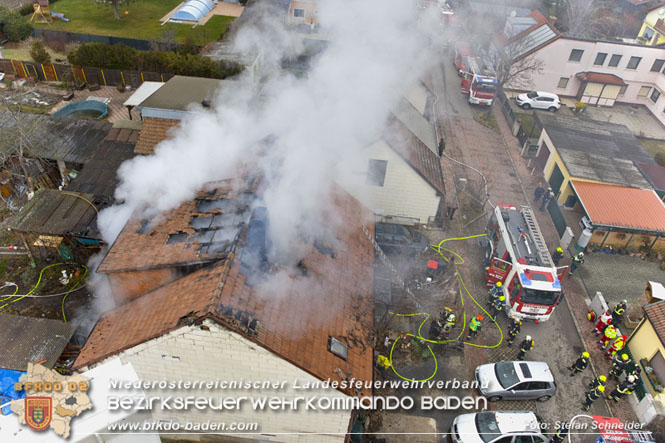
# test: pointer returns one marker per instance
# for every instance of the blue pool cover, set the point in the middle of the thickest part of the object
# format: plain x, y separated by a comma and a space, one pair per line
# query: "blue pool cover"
193, 10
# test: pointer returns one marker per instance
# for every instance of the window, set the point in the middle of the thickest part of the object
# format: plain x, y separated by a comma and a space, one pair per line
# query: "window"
376, 173
648, 34
299, 13
657, 65
600, 58
614, 60
622, 91
338, 348
657, 362
575, 55
563, 83
655, 95
634, 62
644, 91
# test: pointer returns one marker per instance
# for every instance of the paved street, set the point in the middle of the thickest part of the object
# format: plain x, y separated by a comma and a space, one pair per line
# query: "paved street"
496, 156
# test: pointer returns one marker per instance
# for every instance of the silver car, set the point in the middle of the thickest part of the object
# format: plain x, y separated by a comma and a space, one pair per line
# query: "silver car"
516, 380
498, 427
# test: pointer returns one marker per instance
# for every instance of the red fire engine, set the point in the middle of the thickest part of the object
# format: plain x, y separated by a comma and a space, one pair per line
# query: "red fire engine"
461, 52
517, 256
479, 81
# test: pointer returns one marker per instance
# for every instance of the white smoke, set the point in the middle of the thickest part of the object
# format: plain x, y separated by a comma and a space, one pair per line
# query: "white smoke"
319, 124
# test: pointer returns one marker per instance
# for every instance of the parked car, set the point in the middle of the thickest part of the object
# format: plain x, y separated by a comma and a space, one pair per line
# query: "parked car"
516, 380
538, 100
498, 427
398, 239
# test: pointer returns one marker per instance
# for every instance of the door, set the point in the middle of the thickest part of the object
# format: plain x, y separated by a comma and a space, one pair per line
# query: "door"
570, 202
543, 156
555, 180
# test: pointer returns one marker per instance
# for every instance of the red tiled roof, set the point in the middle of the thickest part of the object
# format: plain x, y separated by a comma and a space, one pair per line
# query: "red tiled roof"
651, 8
415, 152
598, 77
660, 26
154, 130
295, 318
655, 312
655, 174
620, 206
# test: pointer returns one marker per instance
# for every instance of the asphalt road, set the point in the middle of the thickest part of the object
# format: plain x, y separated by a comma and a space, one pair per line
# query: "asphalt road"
557, 341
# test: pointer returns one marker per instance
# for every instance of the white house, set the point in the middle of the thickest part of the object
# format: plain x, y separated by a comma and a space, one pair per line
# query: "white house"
197, 309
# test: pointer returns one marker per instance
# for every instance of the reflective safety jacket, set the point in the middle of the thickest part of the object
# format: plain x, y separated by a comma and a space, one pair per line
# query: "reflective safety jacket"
610, 332
475, 325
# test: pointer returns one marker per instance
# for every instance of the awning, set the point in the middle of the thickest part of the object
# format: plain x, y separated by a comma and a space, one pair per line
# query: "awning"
143, 92
597, 77
621, 206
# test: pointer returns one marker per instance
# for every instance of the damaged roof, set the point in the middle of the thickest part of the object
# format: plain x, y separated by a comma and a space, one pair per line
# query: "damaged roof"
99, 175
154, 131
595, 150
202, 230
28, 340
290, 312
416, 123
415, 152
67, 139
55, 212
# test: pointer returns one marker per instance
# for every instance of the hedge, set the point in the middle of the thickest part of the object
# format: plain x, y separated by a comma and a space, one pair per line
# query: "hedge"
101, 55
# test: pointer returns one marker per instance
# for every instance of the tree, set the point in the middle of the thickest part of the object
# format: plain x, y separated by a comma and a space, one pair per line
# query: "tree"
580, 18
514, 66
39, 53
14, 26
115, 3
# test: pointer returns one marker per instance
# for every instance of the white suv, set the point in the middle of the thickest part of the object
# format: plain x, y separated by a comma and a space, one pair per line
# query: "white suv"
539, 100
498, 427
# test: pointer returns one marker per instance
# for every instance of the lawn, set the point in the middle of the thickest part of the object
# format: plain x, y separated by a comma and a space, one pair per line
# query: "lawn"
528, 124
141, 21
652, 146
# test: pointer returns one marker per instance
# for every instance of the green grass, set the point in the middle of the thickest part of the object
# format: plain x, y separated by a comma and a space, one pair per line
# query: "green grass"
23, 53
528, 124
486, 118
652, 146
141, 22
32, 110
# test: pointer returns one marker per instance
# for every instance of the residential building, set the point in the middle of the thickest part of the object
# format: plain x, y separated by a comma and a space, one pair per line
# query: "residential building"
647, 347
652, 32
574, 148
200, 299
600, 72
655, 174
303, 12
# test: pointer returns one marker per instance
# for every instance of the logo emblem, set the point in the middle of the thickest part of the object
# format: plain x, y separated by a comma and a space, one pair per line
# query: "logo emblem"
38, 412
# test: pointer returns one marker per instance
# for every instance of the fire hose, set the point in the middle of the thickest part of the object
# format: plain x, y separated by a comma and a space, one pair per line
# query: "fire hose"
418, 336
75, 287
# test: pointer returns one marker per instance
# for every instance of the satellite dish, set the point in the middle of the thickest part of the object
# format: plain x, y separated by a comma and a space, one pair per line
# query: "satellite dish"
513, 13
661, 11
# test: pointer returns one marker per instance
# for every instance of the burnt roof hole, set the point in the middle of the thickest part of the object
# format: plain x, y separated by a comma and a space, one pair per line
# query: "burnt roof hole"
302, 268
201, 222
211, 205
324, 249
178, 237
255, 254
228, 311
205, 103
146, 224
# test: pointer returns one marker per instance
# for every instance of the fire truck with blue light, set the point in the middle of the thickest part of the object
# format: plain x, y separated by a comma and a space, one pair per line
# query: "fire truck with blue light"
517, 256
479, 80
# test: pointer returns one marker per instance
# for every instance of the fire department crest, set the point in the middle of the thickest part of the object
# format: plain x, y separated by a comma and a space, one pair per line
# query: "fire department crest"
38, 412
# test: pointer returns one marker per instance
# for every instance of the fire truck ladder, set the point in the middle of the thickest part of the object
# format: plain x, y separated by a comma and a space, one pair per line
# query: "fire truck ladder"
537, 236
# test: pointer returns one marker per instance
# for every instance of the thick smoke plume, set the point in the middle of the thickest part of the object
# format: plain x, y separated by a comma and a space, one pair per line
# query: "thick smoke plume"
317, 125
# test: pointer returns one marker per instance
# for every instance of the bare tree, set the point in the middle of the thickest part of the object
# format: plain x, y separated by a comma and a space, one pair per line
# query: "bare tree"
514, 66
580, 17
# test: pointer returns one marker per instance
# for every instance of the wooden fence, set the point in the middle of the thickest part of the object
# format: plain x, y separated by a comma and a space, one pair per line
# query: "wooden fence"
67, 73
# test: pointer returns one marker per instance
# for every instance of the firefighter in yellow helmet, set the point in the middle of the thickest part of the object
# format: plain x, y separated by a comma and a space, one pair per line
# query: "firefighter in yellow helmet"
580, 364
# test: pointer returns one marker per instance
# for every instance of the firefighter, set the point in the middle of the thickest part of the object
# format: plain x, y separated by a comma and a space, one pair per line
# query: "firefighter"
580, 364
625, 388
577, 261
448, 324
618, 312
616, 346
538, 192
382, 364
609, 334
619, 363
495, 292
514, 329
560, 434
497, 307
557, 256
525, 346
546, 198
604, 320
593, 395
474, 326
598, 381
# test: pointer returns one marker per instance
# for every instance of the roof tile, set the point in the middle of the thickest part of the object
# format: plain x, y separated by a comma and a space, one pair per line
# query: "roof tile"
154, 131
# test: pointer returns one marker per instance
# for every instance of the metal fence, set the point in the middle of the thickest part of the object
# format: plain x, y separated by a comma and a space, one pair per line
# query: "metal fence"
506, 108
74, 74
557, 216
50, 35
